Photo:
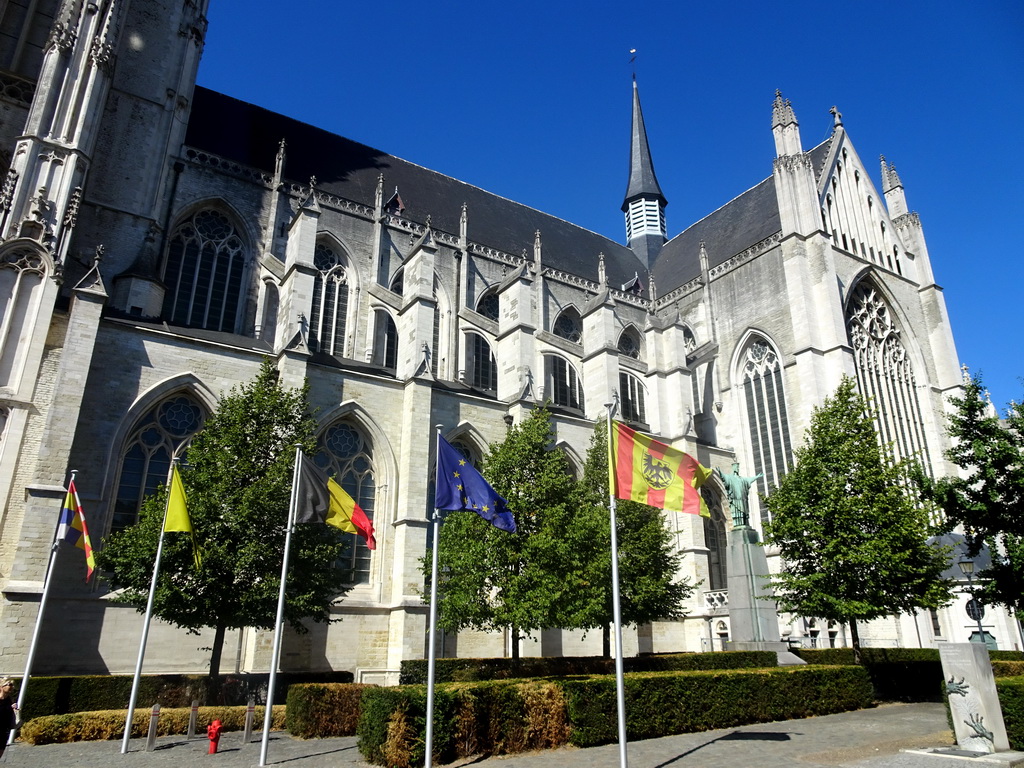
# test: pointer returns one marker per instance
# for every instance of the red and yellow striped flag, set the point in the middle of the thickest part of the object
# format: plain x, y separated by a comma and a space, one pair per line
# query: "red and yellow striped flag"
644, 470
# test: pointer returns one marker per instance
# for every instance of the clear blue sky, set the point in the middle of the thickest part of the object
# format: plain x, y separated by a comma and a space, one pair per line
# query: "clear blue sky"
531, 100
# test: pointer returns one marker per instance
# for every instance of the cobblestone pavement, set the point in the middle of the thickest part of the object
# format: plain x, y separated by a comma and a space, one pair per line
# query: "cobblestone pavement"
869, 738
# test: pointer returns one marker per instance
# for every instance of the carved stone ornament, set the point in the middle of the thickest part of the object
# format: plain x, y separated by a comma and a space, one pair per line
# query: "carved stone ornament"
102, 55
62, 36
7, 191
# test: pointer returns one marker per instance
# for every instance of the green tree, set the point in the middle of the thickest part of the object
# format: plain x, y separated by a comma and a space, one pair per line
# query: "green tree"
495, 580
987, 498
649, 589
853, 541
238, 484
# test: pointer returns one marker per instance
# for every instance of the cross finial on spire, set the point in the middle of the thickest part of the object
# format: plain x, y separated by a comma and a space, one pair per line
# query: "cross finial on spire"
837, 117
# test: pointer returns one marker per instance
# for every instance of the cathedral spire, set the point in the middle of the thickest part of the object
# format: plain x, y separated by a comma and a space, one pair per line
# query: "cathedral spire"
785, 127
644, 204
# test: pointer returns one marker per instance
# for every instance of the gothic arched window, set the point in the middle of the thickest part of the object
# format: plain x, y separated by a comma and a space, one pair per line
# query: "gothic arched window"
328, 314
22, 272
631, 396
347, 455
563, 386
483, 368
569, 326
715, 541
204, 273
489, 305
630, 344
385, 340
885, 376
163, 433
766, 413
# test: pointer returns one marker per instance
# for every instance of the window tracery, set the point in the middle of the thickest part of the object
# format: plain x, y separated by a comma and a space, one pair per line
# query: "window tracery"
22, 272
489, 306
564, 387
329, 312
629, 344
483, 373
346, 454
632, 398
569, 326
767, 419
204, 273
160, 435
885, 375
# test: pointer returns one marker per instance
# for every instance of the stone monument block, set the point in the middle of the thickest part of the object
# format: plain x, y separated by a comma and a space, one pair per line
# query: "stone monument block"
973, 701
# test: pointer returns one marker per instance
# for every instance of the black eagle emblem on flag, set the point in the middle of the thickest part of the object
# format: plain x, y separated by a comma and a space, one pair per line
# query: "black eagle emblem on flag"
658, 474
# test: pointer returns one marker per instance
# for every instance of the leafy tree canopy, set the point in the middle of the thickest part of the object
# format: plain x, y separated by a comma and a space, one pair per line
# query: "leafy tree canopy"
852, 538
237, 482
649, 562
986, 501
492, 579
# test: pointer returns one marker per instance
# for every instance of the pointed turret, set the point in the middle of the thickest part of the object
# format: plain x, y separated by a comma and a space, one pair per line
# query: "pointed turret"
644, 204
785, 127
892, 188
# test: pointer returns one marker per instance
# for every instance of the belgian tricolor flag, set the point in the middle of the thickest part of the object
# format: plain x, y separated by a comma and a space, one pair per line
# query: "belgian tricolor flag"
319, 499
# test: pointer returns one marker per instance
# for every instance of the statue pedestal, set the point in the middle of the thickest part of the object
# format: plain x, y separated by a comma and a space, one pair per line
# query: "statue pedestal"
753, 616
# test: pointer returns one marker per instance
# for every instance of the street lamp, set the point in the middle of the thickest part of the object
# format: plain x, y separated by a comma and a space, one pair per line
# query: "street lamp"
975, 610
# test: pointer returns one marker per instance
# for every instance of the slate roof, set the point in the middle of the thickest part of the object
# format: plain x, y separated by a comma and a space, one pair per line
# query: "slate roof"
249, 135
642, 180
742, 222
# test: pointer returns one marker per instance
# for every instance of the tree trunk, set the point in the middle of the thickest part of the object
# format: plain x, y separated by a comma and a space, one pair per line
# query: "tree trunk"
213, 695
855, 640
515, 642
606, 641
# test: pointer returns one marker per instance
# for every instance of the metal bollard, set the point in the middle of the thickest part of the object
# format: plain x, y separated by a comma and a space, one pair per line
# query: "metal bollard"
193, 717
154, 718
250, 713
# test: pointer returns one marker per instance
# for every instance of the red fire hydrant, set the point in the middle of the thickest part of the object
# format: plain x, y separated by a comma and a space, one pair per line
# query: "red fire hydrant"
213, 731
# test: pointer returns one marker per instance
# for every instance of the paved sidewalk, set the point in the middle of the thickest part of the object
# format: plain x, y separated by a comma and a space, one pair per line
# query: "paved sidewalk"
870, 738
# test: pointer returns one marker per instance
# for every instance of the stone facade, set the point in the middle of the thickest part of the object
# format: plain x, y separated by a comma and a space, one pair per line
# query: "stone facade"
159, 241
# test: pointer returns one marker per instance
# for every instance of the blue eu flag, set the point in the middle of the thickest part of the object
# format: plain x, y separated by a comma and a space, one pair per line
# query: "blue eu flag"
460, 486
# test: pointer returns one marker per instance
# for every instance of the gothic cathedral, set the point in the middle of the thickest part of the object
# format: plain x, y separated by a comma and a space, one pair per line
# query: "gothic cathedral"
158, 241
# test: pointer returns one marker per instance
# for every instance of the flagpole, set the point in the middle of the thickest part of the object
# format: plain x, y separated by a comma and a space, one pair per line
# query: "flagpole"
432, 637
275, 654
620, 692
149, 614
47, 581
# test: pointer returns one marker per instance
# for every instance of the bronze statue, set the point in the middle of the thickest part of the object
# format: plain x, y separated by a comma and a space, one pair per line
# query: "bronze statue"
737, 488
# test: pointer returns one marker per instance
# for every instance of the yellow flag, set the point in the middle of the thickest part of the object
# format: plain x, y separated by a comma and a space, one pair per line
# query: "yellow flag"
177, 518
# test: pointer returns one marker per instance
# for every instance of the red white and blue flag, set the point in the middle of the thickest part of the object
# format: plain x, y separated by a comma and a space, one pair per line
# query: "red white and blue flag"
72, 528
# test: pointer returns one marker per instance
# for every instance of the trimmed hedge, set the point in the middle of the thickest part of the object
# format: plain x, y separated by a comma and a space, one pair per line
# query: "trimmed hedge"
321, 710
492, 717
109, 724
414, 672
89, 693
1011, 699
1007, 668
501, 717
907, 674
662, 704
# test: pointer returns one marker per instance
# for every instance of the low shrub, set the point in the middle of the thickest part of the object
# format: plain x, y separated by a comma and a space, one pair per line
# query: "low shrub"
109, 724
501, 717
89, 693
1011, 699
897, 674
1007, 668
414, 672
491, 717
320, 710
661, 704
